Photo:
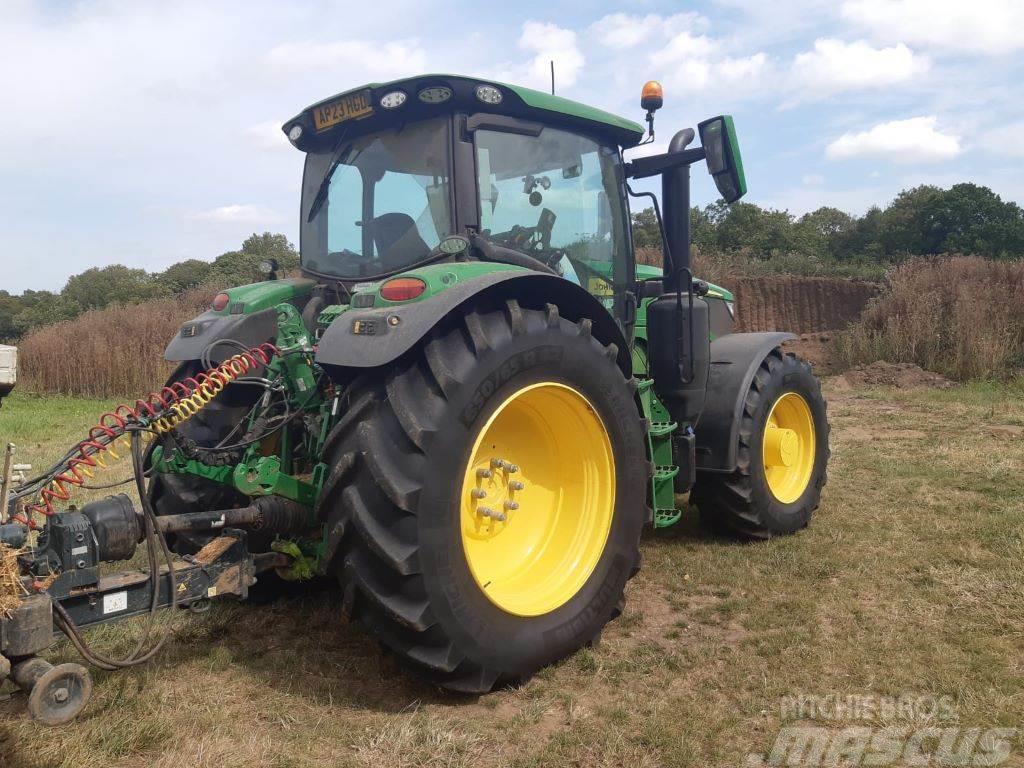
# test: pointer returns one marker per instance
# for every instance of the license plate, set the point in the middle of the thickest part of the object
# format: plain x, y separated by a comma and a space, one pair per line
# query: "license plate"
346, 108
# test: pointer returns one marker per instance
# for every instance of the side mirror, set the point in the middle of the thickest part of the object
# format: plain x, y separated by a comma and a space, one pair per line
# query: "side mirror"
722, 151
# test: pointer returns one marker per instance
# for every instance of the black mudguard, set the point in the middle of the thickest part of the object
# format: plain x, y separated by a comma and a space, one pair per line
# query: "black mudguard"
370, 338
734, 361
199, 332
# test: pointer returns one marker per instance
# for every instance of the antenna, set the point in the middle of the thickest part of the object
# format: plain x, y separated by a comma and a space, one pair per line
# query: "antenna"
552, 77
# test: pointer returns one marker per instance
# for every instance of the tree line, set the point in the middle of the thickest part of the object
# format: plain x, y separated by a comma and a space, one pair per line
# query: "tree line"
99, 287
925, 220
966, 219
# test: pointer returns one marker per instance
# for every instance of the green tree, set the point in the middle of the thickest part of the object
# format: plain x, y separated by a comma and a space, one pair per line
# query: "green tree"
818, 232
971, 219
862, 239
244, 266
703, 228
97, 287
904, 228
184, 275
272, 246
646, 233
749, 228
43, 308
10, 308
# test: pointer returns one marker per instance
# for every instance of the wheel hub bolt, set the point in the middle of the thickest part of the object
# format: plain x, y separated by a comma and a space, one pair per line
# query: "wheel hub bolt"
483, 473
478, 493
512, 506
510, 468
490, 513
516, 485
497, 463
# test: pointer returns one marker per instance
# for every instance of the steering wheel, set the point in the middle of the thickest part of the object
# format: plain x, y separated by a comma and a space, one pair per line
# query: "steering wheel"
533, 241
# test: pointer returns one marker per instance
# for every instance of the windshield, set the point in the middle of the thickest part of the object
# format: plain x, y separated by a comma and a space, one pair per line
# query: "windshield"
386, 204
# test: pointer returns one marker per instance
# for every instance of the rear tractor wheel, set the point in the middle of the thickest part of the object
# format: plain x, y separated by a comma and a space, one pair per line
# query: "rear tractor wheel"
491, 490
782, 453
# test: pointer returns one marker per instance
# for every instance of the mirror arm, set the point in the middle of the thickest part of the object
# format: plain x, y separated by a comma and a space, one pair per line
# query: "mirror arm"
644, 167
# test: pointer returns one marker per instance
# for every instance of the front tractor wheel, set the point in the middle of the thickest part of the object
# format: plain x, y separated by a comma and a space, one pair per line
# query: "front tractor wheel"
782, 455
492, 492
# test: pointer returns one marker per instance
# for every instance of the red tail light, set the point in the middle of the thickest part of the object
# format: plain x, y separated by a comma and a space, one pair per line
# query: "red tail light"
402, 288
220, 301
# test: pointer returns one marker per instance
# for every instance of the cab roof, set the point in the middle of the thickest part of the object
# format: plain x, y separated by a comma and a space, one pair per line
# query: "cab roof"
360, 110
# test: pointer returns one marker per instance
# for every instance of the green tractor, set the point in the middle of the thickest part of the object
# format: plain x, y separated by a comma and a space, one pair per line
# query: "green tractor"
477, 399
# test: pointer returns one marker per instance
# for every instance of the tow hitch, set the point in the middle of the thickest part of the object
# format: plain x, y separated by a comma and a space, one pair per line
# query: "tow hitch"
63, 591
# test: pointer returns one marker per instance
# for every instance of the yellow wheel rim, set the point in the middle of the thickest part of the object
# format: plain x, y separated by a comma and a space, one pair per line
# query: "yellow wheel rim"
538, 497
788, 447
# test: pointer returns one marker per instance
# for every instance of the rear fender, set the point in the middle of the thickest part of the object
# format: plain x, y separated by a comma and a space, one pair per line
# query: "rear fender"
735, 358
370, 338
197, 334
248, 317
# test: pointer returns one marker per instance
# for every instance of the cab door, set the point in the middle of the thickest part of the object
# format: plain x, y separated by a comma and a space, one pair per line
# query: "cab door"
558, 196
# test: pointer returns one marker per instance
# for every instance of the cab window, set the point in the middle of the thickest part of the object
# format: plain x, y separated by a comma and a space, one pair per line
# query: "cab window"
556, 197
386, 203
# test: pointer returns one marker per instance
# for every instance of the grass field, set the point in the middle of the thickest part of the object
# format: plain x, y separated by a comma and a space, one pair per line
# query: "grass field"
910, 580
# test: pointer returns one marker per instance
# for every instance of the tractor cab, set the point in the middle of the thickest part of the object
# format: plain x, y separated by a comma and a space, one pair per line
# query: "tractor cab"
407, 173
393, 171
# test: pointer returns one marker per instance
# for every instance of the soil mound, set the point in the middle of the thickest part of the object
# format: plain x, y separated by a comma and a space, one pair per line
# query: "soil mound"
883, 374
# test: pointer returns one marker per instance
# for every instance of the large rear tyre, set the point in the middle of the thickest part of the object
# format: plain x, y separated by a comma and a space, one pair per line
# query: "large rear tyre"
492, 491
782, 456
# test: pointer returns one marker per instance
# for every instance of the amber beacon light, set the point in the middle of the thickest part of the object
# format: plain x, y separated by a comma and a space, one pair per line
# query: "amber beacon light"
652, 96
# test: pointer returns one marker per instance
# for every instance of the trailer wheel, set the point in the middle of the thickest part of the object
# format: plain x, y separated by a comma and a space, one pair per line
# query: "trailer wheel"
492, 490
782, 455
59, 694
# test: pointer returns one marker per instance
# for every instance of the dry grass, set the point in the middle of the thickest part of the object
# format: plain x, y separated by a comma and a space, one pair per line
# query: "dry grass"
910, 579
11, 588
723, 268
107, 352
961, 316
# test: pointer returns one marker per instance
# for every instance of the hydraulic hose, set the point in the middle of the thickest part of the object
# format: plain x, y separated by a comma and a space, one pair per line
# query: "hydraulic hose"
159, 412
156, 545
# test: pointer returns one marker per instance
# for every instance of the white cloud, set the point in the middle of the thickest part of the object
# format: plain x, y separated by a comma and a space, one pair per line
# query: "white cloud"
268, 136
234, 214
812, 180
620, 30
915, 140
696, 63
391, 60
547, 43
835, 66
978, 26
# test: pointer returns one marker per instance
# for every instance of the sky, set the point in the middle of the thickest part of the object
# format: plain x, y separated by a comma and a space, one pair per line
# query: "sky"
146, 132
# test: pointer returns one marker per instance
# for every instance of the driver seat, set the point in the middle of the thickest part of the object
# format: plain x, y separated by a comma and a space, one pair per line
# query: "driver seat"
398, 240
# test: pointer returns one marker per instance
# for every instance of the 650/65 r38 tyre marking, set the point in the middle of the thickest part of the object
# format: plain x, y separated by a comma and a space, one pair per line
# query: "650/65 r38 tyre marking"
406, 457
